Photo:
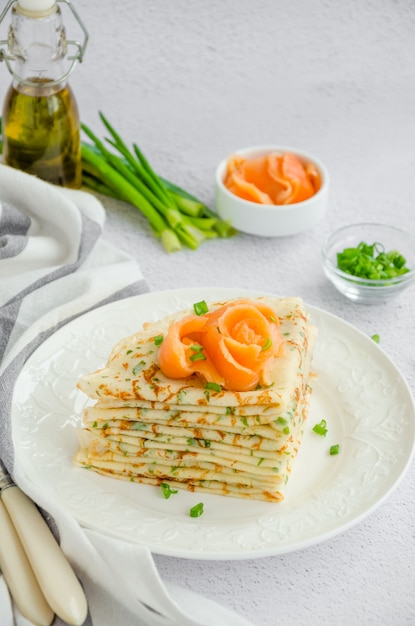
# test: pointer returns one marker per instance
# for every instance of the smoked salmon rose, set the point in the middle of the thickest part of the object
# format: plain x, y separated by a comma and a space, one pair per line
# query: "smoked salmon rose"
233, 346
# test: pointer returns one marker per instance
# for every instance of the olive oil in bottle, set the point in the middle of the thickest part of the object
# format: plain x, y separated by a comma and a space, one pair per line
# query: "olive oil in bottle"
41, 134
41, 126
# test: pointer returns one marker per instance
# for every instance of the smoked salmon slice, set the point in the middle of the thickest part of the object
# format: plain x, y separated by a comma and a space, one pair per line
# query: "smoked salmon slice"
181, 353
275, 178
233, 345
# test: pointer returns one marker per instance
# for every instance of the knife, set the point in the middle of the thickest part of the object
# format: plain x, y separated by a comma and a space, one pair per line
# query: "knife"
19, 575
56, 578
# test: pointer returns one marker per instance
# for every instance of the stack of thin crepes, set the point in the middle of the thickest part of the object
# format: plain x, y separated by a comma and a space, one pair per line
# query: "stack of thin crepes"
192, 433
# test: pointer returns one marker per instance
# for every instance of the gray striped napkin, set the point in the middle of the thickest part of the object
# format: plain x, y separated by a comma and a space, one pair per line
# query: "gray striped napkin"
54, 266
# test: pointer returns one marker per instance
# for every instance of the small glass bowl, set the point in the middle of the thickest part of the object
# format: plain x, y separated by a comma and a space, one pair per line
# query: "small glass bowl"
365, 290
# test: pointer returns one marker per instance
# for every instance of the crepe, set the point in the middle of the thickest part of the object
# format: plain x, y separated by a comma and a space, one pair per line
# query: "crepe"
148, 428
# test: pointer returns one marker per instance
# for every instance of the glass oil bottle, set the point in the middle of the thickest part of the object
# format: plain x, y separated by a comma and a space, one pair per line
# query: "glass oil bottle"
40, 120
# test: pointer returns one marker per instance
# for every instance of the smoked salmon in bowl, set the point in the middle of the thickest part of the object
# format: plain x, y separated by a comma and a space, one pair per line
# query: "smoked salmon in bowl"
271, 191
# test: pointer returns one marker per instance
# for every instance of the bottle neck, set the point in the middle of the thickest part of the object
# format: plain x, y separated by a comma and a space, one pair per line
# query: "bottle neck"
38, 47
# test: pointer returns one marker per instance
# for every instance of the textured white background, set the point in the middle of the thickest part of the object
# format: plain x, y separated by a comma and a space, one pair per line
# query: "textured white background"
192, 81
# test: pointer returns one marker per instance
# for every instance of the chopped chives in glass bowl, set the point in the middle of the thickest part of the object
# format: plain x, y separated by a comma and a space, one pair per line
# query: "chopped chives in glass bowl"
370, 262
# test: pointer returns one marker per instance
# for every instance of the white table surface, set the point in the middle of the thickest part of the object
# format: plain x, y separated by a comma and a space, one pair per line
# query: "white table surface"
192, 81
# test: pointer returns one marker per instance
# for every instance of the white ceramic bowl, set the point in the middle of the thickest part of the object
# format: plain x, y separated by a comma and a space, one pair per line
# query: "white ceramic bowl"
365, 290
269, 220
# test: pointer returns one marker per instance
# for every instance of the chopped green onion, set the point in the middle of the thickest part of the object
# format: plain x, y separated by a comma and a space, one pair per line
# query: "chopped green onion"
200, 308
197, 510
197, 356
213, 386
267, 344
334, 449
376, 338
371, 261
320, 428
167, 490
158, 340
198, 353
139, 426
137, 368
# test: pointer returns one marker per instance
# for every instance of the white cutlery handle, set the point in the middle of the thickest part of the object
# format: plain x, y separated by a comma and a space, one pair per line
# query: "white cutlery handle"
54, 574
19, 576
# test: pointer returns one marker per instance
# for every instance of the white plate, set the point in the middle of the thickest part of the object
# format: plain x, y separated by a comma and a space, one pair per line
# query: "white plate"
364, 399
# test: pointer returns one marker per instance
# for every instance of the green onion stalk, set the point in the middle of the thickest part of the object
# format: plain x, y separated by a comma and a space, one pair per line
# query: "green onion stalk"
175, 216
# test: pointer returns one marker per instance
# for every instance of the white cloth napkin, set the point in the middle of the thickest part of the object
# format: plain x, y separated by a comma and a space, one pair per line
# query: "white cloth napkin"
54, 266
